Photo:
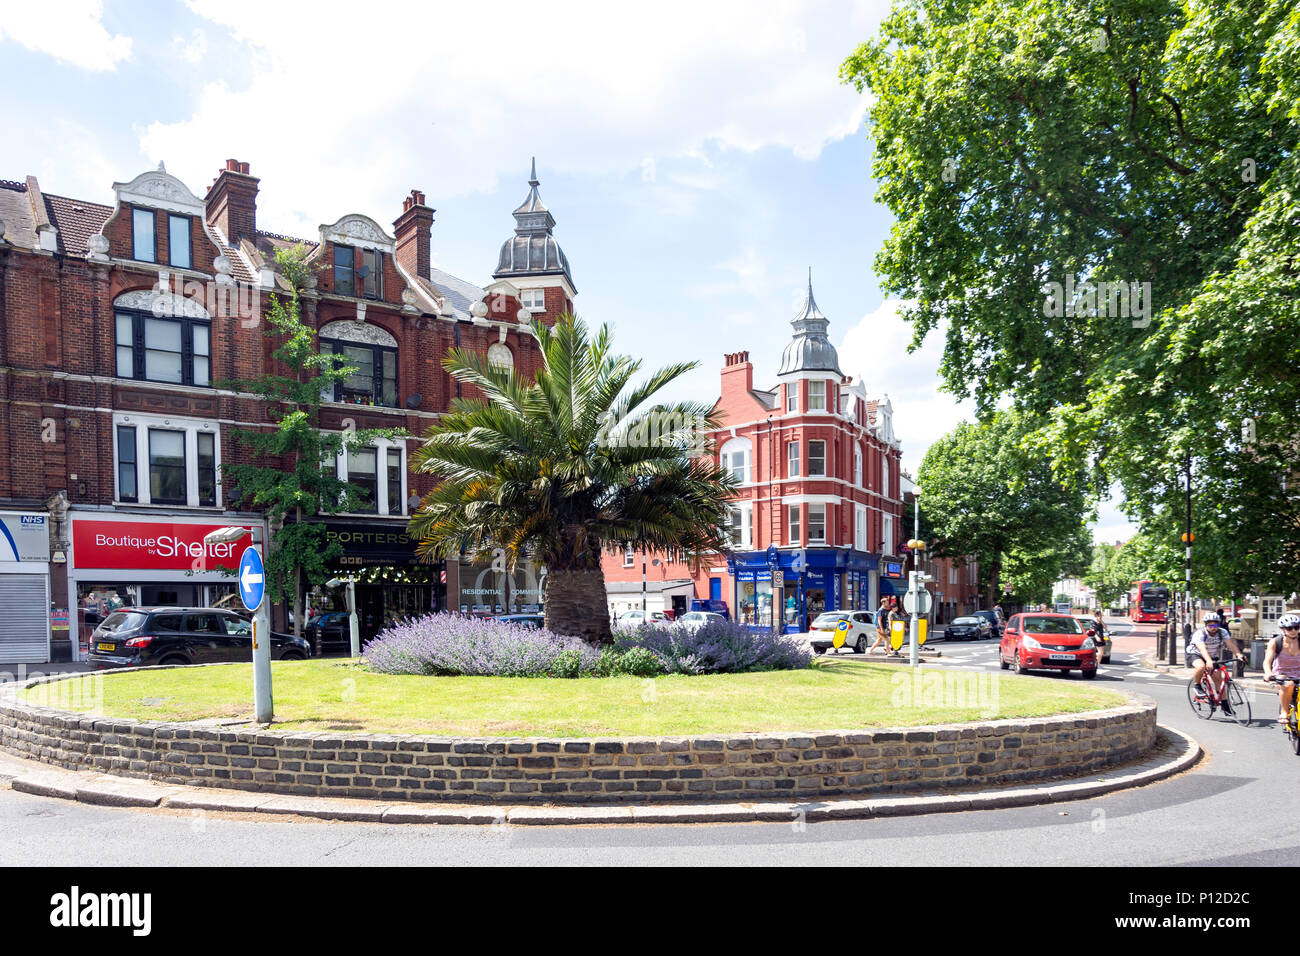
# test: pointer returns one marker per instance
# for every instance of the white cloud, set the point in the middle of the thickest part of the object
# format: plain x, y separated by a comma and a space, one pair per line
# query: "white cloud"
467, 93
191, 49
875, 352
71, 31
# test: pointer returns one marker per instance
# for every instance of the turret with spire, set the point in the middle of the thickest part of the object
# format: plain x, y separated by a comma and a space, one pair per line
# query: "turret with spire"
810, 349
533, 251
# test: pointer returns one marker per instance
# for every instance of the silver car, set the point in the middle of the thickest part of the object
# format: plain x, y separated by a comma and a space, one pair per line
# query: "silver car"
694, 620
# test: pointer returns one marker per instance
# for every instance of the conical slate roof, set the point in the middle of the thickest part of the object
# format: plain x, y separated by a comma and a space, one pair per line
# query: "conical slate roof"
810, 349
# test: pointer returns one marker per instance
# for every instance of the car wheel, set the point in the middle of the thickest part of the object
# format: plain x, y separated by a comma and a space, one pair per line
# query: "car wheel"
861, 646
292, 656
1090, 674
168, 661
1020, 665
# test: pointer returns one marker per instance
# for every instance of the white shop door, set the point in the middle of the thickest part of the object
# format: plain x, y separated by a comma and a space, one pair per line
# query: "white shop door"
25, 611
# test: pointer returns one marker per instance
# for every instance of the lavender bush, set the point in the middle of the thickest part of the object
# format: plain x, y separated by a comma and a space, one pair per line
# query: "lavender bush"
448, 644
720, 647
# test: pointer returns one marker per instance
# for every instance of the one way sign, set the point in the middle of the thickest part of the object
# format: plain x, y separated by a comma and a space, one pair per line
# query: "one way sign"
252, 578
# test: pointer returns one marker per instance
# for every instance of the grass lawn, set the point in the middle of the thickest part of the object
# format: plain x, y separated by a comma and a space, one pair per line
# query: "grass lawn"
340, 696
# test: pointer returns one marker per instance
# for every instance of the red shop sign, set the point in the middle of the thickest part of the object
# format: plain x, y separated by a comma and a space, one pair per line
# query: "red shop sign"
151, 546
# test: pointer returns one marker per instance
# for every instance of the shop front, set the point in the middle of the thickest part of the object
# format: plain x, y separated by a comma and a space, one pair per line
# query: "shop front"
392, 583
808, 582
145, 560
25, 587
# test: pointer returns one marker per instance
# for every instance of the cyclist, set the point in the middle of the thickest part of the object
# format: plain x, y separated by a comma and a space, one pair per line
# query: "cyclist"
1282, 662
1206, 649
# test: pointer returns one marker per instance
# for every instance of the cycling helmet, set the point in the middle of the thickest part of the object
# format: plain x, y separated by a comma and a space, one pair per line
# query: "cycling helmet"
1211, 618
1289, 620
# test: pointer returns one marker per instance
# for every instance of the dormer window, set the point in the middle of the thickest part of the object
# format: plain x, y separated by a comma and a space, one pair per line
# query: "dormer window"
144, 244
371, 273
178, 242
534, 300
345, 258
816, 396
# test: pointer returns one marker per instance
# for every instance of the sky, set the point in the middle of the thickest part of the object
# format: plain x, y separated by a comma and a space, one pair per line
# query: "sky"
698, 158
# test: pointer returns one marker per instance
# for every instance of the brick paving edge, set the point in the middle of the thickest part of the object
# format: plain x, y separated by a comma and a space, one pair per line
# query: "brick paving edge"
105, 790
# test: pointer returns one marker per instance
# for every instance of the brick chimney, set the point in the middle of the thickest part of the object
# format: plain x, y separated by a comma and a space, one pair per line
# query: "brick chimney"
412, 230
232, 202
737, 374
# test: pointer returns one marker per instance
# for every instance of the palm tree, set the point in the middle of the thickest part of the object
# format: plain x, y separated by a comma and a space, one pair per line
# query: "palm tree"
560, 469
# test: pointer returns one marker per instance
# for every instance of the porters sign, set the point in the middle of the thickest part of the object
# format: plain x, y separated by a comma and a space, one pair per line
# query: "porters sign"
150, 546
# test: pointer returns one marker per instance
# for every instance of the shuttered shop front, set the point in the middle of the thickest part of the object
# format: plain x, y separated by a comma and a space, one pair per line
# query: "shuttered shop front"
25, 610
24, 588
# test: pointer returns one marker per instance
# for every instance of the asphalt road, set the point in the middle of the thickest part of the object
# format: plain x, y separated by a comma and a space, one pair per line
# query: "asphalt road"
1216, 813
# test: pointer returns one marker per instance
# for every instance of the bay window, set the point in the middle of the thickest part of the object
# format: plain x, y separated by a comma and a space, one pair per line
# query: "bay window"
792, 460
816, 524
166, 461
379, 472
816, 396
816, 459
793, 512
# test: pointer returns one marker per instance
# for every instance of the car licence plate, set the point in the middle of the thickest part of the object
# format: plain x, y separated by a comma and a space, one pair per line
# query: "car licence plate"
106, 647
1060, 657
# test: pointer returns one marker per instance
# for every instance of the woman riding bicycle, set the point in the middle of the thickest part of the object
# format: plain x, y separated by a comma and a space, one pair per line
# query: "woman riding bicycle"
1205, 650
1282, 662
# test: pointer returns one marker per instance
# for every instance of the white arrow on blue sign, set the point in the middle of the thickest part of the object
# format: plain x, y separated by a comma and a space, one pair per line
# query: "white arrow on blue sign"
252, 579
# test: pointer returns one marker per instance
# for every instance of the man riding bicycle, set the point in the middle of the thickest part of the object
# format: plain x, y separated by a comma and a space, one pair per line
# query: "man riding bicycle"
1282, 662
1205, 650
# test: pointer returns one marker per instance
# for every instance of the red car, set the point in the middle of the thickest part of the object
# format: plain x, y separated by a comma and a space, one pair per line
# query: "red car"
1048, 642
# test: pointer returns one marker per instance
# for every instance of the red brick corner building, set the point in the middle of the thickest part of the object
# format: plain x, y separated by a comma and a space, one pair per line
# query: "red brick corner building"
820, 500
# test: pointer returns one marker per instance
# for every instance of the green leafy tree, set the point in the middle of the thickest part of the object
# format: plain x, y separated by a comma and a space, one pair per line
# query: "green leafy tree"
1147, 141
559, 469
985, 496
290, 474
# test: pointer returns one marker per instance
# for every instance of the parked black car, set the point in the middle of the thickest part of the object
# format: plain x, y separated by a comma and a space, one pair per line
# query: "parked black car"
968, 628
139, 637
994, 623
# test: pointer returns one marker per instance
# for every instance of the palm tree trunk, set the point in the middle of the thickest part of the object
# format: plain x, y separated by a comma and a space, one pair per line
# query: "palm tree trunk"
576, 605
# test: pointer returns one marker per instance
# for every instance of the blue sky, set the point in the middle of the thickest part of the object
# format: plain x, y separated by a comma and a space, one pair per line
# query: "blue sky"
698, 158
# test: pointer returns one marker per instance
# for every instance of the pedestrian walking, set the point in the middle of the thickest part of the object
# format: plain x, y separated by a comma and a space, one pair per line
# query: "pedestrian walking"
882, 626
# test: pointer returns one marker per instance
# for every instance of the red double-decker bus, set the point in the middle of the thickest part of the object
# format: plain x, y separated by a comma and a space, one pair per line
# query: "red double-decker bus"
1149, 602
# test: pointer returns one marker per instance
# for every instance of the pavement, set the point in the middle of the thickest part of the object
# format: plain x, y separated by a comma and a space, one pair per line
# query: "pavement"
1174, 752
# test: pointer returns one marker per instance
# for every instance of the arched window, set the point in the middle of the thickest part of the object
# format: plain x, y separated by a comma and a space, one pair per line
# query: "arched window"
500, 357
736, 458
372, 352
163, 337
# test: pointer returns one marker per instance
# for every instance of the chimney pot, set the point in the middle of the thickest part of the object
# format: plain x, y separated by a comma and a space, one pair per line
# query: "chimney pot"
232, 165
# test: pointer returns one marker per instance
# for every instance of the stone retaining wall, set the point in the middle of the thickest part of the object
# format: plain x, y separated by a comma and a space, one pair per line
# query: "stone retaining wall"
596, 770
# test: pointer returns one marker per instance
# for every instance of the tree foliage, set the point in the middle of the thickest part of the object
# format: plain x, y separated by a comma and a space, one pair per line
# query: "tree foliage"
290, 474
559, 469
1148, 141
987, 496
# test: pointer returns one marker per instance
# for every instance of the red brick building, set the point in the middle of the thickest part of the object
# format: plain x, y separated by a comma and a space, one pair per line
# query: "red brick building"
818, 464
116, 320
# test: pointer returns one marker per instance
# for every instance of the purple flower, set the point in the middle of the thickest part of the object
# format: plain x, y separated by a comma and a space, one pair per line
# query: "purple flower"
449, 644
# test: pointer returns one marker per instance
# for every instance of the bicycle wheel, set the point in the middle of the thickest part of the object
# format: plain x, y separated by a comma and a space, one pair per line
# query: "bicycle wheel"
1240, 704
1199, 700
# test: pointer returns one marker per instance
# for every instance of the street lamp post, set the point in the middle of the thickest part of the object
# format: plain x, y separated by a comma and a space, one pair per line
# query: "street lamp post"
262, 702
